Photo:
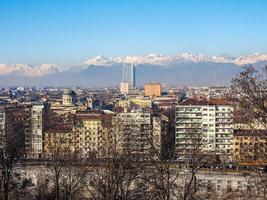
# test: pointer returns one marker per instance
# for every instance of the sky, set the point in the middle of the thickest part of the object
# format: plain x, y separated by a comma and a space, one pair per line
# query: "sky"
68, 32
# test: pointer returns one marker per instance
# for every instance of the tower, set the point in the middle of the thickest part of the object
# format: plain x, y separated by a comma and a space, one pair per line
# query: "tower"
128, 74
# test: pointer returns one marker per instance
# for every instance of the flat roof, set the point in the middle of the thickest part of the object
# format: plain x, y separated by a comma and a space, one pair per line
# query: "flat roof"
205, 102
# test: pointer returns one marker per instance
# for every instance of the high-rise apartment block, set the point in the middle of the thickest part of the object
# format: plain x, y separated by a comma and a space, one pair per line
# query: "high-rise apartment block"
209, 119
15, 128
37, 113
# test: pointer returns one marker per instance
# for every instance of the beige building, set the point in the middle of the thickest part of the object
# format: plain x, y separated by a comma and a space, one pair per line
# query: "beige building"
153, 89
89, 131
141, 102
133, 132
136, 101
125, 88
249, 147
92, 131
58, 141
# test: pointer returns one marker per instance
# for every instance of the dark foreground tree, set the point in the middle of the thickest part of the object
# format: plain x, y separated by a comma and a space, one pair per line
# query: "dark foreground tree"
249, 90
8, 162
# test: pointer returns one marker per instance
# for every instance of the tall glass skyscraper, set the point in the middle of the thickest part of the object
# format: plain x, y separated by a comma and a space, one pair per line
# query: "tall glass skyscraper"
128, 74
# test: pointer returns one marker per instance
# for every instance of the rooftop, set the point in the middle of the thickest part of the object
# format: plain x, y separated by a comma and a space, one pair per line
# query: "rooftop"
205, 102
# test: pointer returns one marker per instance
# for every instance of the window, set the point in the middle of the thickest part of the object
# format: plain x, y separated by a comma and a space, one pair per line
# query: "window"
218, 187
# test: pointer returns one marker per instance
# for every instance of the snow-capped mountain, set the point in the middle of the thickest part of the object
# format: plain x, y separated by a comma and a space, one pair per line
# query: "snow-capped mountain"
99, 61
29, 70
159, 59
107, 71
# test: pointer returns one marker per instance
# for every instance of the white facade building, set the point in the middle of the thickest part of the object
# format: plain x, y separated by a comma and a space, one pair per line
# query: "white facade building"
212, 119
37, 129
2, 128
125, 88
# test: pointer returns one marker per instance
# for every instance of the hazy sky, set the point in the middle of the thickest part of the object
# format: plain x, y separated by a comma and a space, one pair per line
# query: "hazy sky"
70, 31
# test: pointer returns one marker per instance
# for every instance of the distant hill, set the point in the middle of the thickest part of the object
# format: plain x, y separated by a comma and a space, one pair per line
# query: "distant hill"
185, 69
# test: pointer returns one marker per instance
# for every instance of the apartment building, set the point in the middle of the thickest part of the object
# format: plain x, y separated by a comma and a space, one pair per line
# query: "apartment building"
163, 136
58, 134
133, 131
249, 147
207, 121
88, 128
15, 128
37, 120
152, 89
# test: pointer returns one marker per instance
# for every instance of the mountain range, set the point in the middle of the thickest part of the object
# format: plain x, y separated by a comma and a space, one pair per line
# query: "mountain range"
102, 71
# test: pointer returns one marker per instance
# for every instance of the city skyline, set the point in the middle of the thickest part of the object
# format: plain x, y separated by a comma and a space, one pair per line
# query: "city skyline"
154, 99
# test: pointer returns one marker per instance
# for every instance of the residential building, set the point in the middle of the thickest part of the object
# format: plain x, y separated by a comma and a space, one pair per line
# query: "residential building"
133, 131
125, 88
141, 102
209, 122
250, 147
163, 136
58, 135
165, 102
153, 89
92, 131
15, 128
37, 117
88, 128
216, 92
3, 125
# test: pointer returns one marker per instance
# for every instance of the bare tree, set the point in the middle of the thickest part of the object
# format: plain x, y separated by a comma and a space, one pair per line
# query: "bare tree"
116, 172
8, 162
55, 165
73, 181
249, 89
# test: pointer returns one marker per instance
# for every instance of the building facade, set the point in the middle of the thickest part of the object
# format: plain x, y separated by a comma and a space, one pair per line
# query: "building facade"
15, 129
207, 121
250, 147
133, 131
37, 117
125, 88
128, 74
153, 89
